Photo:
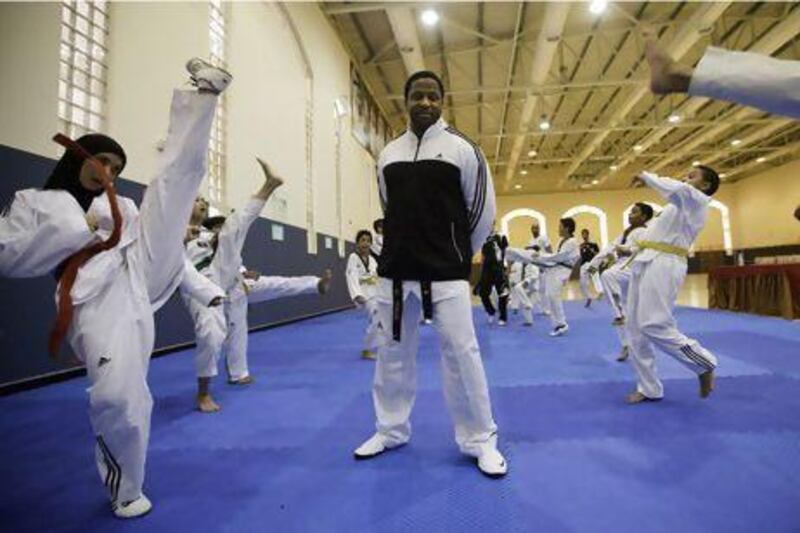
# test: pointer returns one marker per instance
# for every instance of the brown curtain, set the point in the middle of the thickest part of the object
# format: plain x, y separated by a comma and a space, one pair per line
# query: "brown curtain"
763, 293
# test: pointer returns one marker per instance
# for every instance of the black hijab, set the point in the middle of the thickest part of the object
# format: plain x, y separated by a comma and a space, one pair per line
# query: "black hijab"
66, 174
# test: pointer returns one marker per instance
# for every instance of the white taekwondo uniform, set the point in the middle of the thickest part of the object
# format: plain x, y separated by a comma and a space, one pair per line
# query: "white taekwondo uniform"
658, 271
556, 269
616, 278
117, 291
750, 79
223, 330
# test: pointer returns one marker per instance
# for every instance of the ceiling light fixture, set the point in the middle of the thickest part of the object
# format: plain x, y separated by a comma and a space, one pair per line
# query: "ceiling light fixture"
613, 168
674, 118
518, 186
736, 142
598, 6
723, 176
638, 148
761, 159
544, 124
695, 163
430, 17
595, 182
524, 172
532, 153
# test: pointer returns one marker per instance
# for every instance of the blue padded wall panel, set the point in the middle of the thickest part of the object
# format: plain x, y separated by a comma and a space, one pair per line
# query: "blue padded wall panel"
27, 306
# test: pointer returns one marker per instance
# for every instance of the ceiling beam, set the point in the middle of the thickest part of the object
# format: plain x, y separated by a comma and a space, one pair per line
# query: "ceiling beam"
687, 36
555, 17
539, 90
535, 132
404, 27
787, 151
363, 7
512, 60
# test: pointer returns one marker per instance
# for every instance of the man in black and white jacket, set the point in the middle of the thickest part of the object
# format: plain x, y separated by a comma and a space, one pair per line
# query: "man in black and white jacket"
439, 206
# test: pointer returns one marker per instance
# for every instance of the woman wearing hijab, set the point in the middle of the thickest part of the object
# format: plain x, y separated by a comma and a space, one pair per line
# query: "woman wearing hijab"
115, 266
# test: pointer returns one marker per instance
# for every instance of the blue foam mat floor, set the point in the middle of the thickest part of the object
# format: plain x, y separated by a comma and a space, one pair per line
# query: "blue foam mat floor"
279, 455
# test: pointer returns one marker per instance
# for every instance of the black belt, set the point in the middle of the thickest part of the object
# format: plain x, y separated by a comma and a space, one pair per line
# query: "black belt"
204, 263
397, 305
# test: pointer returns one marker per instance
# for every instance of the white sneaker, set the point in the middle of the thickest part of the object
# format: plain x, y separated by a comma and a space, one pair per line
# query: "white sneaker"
501, 322
492, 463
490, 319
207, 77
373, 446
138, 507
559, 330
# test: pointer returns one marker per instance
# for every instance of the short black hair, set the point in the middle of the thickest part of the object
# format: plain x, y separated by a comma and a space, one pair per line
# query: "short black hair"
377, 224
363, 232
568, 223
212, 222
586, 230
427, 74
646, 209
711, 177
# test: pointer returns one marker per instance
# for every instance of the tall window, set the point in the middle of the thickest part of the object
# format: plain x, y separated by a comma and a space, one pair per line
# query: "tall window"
216, 149
82, 67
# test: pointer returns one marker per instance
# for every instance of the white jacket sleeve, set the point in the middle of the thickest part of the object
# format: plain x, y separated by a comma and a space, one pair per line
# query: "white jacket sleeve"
609, 250
569, 253
197, 286
267, 288
478, 189
523, 256
39, 231
353, 281
750, 79
676, 192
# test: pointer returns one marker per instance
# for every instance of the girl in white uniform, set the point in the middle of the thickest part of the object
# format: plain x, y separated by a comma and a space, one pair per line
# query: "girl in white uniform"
223, 331
659, 269
362, 279
557, 267
117, 290
616, 277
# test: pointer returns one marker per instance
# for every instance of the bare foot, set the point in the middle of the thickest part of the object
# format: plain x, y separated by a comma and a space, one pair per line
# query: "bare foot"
247, 380
637, 397
206, 404
706, 383
666, 76
271, 181
324, 283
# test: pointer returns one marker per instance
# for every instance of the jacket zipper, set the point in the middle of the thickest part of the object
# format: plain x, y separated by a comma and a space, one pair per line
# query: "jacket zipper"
455, 245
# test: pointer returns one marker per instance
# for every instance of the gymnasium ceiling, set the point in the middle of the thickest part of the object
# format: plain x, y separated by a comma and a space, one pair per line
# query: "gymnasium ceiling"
507, 65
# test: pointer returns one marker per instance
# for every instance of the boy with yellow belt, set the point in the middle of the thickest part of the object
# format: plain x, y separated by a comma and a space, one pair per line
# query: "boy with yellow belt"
658, 271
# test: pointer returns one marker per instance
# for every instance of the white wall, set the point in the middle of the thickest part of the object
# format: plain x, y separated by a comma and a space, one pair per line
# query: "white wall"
29, 46
148, 46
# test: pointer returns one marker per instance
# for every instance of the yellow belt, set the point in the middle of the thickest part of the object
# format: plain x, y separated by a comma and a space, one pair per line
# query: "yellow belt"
663, 247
